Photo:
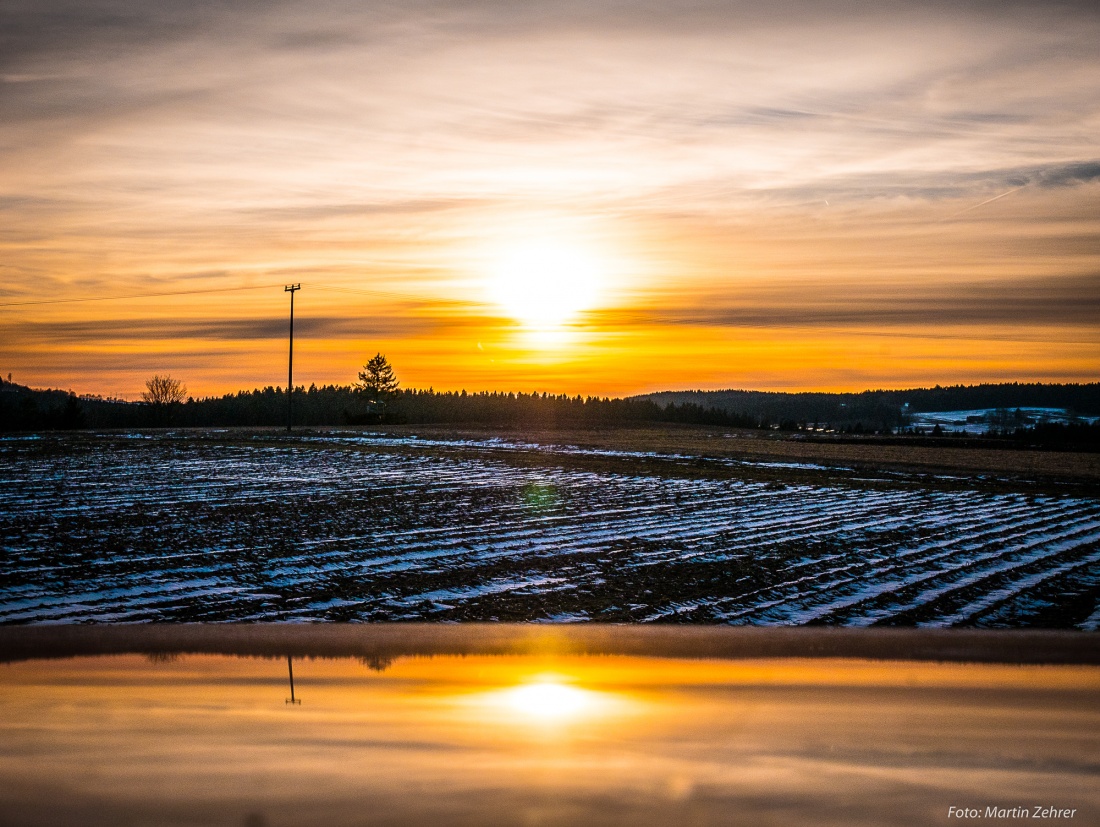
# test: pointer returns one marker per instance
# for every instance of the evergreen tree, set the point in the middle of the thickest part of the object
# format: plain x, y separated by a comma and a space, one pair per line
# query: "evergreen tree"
378, 383
377, 379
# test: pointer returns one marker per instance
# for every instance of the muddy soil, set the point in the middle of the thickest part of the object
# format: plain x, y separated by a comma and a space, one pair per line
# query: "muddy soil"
473, 526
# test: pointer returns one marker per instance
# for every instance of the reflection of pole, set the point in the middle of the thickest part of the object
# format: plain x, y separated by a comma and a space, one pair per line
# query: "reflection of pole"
290, 670
292, 289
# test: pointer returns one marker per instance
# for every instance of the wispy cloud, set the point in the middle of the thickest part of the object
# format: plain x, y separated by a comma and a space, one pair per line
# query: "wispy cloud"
713, 143
1009, 303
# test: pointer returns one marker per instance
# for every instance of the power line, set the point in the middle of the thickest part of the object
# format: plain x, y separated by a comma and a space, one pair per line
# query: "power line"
324, 287
392, 295
335, 289
139, 295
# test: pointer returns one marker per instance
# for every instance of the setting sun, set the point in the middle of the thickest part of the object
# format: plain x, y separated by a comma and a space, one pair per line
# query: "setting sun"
545, 283
629, 201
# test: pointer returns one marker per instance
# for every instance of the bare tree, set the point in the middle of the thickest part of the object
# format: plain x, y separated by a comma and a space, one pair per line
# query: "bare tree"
164, 390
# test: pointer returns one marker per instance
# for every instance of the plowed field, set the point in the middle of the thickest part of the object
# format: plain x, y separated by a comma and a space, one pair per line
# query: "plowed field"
352, 526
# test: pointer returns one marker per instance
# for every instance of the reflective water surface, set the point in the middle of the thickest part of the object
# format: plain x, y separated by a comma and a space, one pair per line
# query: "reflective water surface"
540, 740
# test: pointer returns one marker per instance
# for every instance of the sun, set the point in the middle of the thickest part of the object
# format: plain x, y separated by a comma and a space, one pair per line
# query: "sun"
549, 701
545, 283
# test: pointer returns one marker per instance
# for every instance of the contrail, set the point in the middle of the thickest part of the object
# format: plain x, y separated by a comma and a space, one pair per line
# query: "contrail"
987, 201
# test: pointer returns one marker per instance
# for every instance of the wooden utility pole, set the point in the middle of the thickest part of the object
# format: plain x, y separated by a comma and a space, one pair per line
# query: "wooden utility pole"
290, 669
292, 289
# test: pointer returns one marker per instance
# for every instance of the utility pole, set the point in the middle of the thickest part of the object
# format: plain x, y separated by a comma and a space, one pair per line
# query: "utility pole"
290, 669
292, 289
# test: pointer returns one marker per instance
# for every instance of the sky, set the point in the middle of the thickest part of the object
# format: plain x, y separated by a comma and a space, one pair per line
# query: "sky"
599, 197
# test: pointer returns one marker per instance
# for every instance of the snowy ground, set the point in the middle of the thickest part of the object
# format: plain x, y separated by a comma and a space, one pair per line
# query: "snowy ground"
348, 527
981, 420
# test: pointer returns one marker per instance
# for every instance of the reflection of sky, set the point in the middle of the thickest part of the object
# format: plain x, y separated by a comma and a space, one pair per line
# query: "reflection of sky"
783, 195
538, 739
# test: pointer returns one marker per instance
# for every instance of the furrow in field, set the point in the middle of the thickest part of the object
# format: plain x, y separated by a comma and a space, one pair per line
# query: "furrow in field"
180, 488
717, 522
1092, 622
937, 552
891, 600
1017, 587
546, 533
575, 531
1020, 556
465, 551
216, 532
123, 601
793, 591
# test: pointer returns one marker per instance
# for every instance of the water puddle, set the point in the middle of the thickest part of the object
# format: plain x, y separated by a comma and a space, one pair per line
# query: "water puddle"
548, 739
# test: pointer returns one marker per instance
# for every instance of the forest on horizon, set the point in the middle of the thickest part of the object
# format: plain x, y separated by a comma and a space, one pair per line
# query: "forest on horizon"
883, 412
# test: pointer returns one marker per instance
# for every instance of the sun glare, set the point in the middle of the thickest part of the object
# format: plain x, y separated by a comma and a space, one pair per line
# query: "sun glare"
544, 284
549, 701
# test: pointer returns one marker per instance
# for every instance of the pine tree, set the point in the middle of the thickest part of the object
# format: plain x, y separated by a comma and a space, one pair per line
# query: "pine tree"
377, 379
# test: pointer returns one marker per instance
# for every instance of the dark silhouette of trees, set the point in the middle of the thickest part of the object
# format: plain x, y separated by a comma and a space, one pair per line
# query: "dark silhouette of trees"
164, 390
377, 378
856, 415
377, 385
888, 410
23, 409
162, 395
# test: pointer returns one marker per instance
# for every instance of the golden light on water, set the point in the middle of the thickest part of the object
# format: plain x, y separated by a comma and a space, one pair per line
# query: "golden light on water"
550, 701
204, 739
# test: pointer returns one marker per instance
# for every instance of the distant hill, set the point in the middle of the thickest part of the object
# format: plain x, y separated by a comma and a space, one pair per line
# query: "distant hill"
886, 408
29, 409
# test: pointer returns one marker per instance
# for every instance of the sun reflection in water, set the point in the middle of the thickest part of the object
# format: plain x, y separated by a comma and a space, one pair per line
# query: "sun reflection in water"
549, 701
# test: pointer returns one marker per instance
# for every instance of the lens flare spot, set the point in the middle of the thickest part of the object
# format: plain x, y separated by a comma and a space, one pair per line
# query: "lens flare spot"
540, 496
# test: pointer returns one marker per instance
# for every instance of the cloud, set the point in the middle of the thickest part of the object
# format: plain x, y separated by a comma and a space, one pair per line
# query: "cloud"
146, 330
1017, 303
1060, 176
145, 140
430, 102
414, 206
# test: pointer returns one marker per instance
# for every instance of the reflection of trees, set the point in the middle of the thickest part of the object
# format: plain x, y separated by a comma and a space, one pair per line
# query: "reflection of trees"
162, 657
379, 663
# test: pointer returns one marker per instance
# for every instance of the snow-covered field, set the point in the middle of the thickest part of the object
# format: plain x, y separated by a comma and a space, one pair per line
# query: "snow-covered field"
982, 420
346, 527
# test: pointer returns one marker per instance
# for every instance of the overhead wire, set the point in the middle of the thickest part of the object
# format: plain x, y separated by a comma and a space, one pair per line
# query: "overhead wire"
137, 296
323, 287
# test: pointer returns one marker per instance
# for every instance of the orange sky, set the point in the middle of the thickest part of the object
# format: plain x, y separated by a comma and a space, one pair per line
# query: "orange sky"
581, 198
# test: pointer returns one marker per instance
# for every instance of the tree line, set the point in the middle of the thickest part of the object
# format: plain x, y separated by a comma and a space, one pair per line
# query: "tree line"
377, 399
23, 409
889, 409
